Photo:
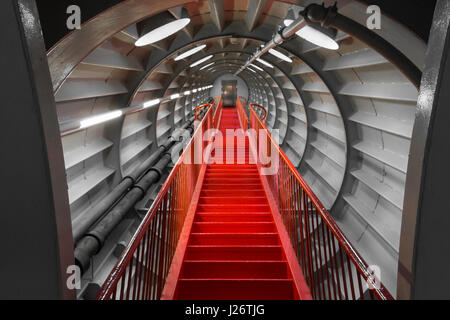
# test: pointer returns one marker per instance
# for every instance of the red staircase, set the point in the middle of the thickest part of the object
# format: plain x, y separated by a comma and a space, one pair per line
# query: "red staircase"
234, 250
238, 231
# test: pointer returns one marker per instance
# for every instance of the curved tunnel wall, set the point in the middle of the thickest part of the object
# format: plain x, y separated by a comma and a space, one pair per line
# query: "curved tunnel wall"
345, 117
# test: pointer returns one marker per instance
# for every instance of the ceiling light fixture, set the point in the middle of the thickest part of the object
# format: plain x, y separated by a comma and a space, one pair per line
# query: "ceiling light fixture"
190, 52
201, 61
319, 36
160, 26
280, 55
151, 103
312, 32
186, 93
264, 63
308, 20
174, 96
204, 67
256, 67
287, 22
100, 118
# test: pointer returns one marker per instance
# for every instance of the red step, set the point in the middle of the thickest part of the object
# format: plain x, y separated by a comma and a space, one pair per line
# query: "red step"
232, 180
234, 239
226, 227
211, 192
233, 217
232, 200
235, 175
236, 289
231, 167
230, 187
236, 170
233, 207
211, 269
234, 252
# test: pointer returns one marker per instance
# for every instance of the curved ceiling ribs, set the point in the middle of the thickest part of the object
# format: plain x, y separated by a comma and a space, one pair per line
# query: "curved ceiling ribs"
345, 117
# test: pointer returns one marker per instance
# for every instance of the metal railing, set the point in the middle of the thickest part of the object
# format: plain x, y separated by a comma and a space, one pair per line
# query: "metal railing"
243, 101
142, 268
243, 119
199, 108
262, 113
332, 267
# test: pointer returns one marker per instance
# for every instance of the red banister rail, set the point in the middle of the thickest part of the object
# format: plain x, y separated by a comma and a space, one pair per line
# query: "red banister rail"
242, 115
142, 268
243, 101
196, 110
331, 265
217, 111
214, 105
263, 118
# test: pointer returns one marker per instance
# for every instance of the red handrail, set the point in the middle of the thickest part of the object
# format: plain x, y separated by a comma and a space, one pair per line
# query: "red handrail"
215, 104
201, 107
331, 265
242, 115
142, 268
263, 118
218, 103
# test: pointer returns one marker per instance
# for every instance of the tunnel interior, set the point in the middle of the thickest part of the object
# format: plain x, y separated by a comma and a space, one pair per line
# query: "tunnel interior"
344, 117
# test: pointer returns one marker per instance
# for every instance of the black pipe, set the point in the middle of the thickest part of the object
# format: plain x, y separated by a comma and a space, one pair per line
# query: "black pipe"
329, 17
91, 243
83, 223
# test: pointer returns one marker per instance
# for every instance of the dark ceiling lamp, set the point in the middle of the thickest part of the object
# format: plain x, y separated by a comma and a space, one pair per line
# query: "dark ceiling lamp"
206, 66
201, 60
313, 32
160, 26
320, 36
280, 55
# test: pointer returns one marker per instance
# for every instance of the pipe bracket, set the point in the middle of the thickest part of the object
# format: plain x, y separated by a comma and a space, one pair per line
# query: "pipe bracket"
137, 186
157, 170
133, 180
